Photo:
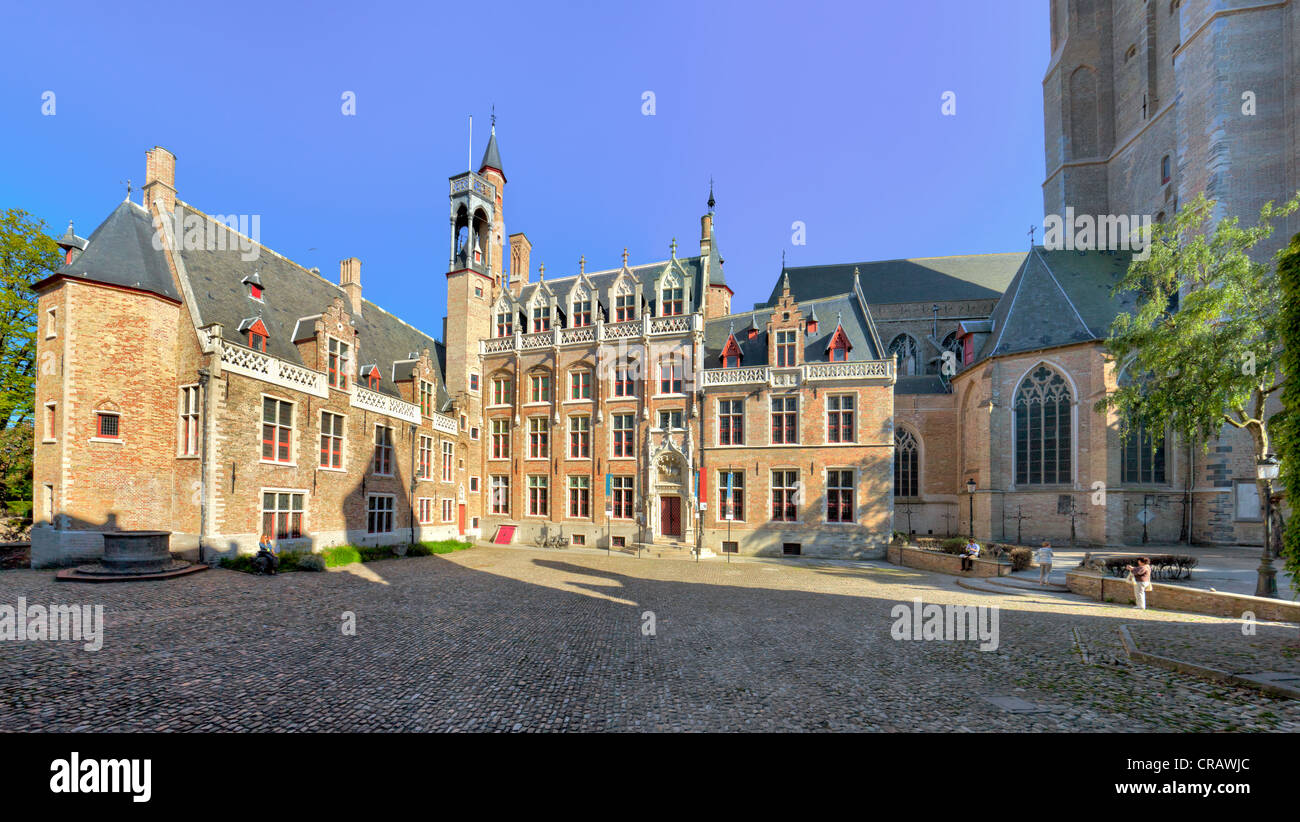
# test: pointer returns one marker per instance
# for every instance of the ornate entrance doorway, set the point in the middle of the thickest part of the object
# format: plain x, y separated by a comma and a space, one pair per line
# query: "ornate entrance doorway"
670, 516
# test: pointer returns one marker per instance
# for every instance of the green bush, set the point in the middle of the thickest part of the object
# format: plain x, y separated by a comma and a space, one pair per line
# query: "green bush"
954, 545
289, 561
445, 546
340, 555
1021, 558
311, 562
21, 508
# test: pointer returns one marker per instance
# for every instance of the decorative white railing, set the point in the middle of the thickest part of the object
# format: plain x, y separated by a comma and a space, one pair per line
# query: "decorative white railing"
541, 339
498, 345
384, 404
249, 363
871, 369
623, 330
443, 423
672, 325
470, 181
808, 372
580, 334
735, 376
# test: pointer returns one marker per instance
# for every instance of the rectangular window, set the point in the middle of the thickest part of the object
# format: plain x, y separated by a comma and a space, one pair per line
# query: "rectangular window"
672, 302
580, 497
51, 323
282, 514
624, 496
277, 429
501, 391
539, 438
785, 420
730, 547
48, 503
256, 341
1247, 502
623, 379
785, 342
624, 308
670, 376
427, 394
579, 437
51, 420
473, 382
733, 501
839, 418
541, 318
580, 385
331, 440
473, 484
731, 422
785, 496
839, 496
426, 510
581, 313
383, 463
189, 421
500, 491
448, 455
506, 324
424, 470
624, 435
670, 420
500, 439
540, 387
106, 425
379, 514
338, 361
447, 510
539, 496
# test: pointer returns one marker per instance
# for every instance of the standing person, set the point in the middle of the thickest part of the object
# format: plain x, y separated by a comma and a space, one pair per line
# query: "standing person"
1044, 559
1141, 574
968, 555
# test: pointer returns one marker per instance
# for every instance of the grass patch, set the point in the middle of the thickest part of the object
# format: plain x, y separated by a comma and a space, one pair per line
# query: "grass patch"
340, 555
445, 546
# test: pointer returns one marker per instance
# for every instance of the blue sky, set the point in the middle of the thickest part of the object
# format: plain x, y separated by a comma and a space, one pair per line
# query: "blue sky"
825, 113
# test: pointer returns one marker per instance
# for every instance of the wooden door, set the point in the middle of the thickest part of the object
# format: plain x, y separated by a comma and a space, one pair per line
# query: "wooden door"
670, 516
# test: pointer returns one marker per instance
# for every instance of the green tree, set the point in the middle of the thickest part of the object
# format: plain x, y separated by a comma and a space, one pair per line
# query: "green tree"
1286, 425
27, 255
1216, 359
16, 465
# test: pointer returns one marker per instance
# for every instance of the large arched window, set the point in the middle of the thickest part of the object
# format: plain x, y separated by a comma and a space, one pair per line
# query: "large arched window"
1142, 455
950, 343
905, 350
906, 464
1043, 426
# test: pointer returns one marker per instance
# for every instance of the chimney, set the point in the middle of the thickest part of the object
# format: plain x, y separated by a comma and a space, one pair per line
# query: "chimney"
350, 279
160, 179
520, 251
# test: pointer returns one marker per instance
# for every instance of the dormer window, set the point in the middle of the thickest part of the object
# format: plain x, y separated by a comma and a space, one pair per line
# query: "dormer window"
785, 349
541, 318
672, 303
253, 282
731, 353
371, 375
839, 347
505, 323
581, 313
812, 327
255, 291
257, 333
624, 308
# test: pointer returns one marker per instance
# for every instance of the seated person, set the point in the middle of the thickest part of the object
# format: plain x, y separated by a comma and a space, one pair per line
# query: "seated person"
969, 553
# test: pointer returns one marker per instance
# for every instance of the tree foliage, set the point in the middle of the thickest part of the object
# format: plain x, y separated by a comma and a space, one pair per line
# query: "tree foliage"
16, 462
27, 255
1286, 425
1216, 359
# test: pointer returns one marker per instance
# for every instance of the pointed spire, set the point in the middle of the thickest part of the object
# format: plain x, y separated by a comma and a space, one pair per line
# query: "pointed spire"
625, 256
541, 272
492, 156
673, 248
812, 315
711, 202
582, 265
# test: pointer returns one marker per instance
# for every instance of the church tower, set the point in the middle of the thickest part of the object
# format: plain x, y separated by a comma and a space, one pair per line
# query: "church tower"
474, 279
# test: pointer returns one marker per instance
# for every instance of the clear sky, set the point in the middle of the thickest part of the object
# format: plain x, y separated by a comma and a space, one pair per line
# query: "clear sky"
824, 113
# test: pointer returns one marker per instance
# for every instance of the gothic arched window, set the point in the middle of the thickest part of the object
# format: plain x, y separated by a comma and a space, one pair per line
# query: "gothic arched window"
950, 343
1142, 455
906, 464
1043, 429
904, 349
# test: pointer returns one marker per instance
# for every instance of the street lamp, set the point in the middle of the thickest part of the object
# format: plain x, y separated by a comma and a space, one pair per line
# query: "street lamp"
970, 490
1266, 470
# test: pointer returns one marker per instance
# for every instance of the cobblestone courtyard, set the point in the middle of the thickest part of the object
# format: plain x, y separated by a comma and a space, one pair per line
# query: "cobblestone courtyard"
496, 639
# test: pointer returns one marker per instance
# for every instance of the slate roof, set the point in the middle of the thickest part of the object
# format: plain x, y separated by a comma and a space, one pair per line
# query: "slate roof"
292, 293
121, 252
844, 308
921, 384
492, 155
965, 277
1058, 298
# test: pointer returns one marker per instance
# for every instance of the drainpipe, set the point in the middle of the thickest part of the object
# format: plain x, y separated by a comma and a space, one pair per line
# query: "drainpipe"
204, 382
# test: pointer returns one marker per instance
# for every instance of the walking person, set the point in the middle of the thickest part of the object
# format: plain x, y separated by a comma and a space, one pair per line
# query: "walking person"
969, 553
1141, 576
1044, 559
